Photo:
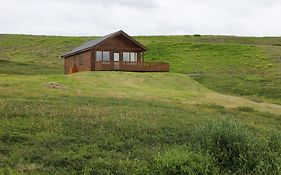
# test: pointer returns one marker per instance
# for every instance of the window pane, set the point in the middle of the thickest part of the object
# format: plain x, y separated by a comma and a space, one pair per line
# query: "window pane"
134, 57
126, 56
106, 55
116, 57
98, 55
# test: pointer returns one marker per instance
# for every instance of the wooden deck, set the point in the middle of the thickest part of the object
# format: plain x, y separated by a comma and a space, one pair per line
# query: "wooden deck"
132, 66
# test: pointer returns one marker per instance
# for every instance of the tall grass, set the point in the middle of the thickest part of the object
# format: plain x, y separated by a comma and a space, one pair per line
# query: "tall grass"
239, 150
182, 161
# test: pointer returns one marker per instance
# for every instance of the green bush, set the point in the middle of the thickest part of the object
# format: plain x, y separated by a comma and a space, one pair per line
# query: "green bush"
197, 35
181, 161
237, 149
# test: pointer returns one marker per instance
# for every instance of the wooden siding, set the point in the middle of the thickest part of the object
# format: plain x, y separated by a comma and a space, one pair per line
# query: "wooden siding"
72, 63
118, 43
132, 66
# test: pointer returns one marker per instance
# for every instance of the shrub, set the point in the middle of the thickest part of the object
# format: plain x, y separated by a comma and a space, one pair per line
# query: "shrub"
181, 161
197, 35
236, 149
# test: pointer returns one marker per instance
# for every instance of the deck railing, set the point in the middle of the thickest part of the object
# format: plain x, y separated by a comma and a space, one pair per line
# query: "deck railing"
132, 66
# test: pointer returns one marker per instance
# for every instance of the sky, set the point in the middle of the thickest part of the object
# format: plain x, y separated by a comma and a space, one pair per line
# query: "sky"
141, 17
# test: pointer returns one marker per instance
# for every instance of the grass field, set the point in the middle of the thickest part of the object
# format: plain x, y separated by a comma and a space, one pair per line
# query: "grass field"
218, 111
241, 66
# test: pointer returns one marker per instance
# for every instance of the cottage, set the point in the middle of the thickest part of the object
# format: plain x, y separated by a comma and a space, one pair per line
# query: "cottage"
114, 52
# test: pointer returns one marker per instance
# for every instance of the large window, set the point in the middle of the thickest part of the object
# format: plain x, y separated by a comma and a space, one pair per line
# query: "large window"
126, 56
130, 56
102, 56
99, 56
134, 57
105, 56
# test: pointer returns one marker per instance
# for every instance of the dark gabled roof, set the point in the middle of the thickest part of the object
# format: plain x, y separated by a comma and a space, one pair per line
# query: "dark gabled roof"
90, 44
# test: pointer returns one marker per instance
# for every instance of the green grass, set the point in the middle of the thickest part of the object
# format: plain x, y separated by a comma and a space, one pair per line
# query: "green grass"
109, 123
229, 67
141, 123
241, 66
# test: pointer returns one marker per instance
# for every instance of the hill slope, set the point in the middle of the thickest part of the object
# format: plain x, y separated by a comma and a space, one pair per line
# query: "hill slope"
107, 122
162, 87
243, 66
141, 123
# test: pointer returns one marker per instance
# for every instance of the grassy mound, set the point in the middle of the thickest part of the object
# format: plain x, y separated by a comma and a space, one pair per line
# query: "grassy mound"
244, 66
164, 87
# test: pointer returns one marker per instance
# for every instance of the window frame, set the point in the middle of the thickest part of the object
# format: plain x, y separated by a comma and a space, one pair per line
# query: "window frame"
135, 55
114, 54
101, 53
127, 54
131, 54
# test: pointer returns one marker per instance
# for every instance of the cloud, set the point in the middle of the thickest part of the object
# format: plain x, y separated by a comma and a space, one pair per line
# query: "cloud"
146, 17
106, 3
129, 3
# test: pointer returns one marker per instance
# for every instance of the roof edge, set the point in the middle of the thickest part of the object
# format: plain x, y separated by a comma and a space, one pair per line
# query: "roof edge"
134, 40
74, 53
106, 37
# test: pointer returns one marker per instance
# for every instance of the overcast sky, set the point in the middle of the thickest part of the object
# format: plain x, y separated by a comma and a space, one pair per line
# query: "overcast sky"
141, 17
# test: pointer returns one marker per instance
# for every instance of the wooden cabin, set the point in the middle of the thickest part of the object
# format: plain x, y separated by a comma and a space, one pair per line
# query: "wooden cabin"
114, 52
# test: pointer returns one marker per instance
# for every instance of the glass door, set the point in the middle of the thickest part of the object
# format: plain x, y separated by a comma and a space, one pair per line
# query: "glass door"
116, 58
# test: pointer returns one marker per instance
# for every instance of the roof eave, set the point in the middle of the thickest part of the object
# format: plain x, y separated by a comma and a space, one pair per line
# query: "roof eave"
134, 40
74, 53
110, 36
126, 35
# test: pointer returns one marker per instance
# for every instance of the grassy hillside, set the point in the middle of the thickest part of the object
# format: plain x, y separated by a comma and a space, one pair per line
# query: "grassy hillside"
230, 65
243, 66
142, 123
116, 123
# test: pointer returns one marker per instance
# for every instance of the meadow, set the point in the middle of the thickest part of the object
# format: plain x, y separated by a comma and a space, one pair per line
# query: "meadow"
241, 66
217, 112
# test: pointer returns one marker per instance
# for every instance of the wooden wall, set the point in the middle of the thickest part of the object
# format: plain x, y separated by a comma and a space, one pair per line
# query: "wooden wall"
72, 63
119, 44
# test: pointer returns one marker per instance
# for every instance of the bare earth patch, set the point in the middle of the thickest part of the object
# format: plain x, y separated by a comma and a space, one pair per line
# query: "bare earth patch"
55, 85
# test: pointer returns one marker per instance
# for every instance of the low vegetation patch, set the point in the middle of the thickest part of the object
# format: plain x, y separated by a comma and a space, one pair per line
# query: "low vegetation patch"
237, 149
182, 161
94, 135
